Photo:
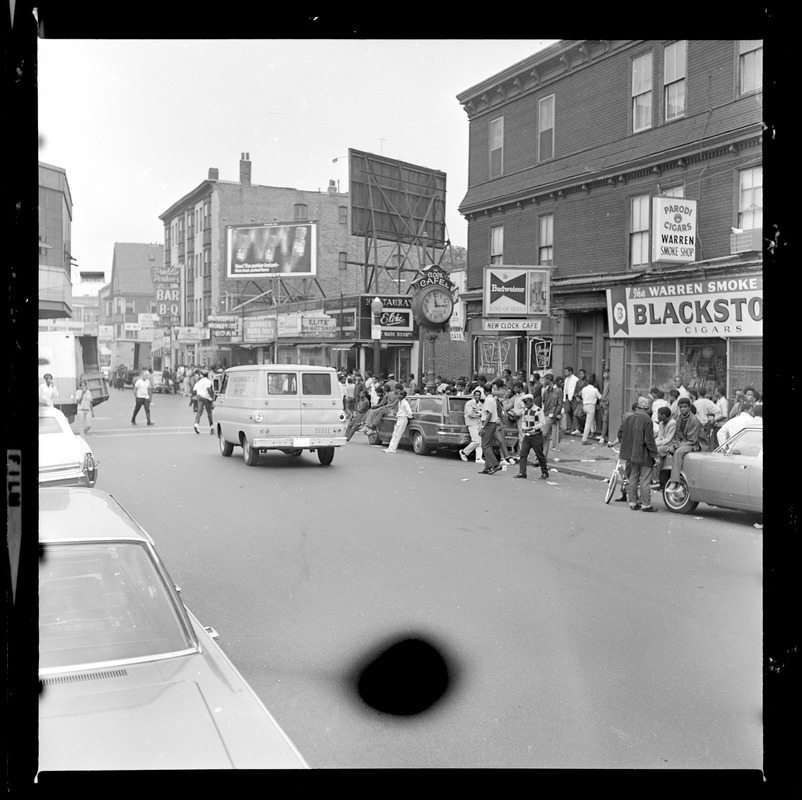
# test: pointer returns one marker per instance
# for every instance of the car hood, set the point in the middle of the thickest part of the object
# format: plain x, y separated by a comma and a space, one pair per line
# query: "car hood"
131, 718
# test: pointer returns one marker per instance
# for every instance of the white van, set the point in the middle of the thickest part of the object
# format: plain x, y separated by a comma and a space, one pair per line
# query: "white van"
287, 407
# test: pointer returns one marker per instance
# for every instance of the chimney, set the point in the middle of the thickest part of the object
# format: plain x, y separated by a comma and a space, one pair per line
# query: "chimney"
245, 169
332, 187
214, 174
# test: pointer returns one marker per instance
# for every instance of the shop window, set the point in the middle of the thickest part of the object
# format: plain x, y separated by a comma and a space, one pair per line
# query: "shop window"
703, 362
642, 93
674, 61
746, 365
750, 65
649, 362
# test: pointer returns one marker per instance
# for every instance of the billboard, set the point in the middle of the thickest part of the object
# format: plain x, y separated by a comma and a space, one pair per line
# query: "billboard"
517, 291
260, 251
396, 201
726, 307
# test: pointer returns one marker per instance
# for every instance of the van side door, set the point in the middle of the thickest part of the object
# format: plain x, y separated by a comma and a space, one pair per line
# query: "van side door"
282, 404
321, 404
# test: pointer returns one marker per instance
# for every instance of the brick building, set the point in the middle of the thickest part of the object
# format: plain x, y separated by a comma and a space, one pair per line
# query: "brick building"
568, 151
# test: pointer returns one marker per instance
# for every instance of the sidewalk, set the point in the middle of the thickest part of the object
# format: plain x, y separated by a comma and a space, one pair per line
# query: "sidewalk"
574, 458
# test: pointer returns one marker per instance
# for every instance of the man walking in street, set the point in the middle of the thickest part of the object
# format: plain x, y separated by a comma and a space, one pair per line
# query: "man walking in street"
532, 422
490, 418
142, 393
204, 394
639, 450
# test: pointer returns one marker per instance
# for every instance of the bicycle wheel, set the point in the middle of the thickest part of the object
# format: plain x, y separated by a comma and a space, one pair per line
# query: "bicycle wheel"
611, 485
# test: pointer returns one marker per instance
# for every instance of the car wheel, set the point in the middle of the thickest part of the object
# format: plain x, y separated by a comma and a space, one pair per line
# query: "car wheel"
373, 437
226, 448
325, 455
678, 498
419, 445
249, 454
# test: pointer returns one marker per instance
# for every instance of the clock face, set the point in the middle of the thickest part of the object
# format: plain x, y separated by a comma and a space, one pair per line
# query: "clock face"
436, 305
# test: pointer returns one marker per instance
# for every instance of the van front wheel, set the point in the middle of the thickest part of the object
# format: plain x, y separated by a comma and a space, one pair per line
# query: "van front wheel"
249, 454
325, 455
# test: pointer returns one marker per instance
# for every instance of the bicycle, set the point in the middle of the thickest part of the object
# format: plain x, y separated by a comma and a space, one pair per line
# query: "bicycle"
618, 474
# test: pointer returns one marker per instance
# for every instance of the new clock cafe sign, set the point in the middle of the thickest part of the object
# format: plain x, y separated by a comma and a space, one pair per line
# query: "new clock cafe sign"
725, 307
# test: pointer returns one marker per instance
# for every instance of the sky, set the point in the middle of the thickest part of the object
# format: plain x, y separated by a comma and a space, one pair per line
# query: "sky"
137, 124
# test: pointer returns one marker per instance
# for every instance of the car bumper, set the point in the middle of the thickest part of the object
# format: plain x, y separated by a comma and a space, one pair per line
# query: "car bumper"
299, 441
66, 478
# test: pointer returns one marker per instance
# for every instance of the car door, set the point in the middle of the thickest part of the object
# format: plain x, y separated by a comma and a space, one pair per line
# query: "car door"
321, 404
724, 475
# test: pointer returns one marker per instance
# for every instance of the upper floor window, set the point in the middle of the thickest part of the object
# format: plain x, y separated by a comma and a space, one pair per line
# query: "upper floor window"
497, 245
207, 215
750, 199
545, 252
545, 128
496, 147
750, 65
674, 191
342, 259
300, 211
642, 93
639, 230
129, 306
674, 65
343, 215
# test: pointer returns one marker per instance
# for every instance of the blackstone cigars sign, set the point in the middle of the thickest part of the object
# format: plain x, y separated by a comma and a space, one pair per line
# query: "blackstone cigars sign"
725, 307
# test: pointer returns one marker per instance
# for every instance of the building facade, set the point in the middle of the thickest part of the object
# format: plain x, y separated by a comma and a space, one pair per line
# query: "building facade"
324, 318
55, 236
572, 154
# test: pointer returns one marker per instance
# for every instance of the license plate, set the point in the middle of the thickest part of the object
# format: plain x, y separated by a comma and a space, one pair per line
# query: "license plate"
301, 442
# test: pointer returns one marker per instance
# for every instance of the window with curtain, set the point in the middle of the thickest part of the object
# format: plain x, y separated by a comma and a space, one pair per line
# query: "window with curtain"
674, 65
750, 65
546, 240
496, 147
642, 93
545, 128
750, 199
497, 245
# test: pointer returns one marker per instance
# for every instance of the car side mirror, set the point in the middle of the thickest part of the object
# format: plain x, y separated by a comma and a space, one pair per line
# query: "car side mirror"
735, 452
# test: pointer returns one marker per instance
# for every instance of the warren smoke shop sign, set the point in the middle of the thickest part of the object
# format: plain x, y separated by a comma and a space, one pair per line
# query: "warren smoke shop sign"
674, 227
726, 307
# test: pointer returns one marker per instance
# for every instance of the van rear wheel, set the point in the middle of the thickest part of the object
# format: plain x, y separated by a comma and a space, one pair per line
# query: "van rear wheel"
325, 455
249, 454
226, 448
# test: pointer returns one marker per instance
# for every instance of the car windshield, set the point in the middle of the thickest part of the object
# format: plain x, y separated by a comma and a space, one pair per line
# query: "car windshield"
745, 443
104, 601
49, 425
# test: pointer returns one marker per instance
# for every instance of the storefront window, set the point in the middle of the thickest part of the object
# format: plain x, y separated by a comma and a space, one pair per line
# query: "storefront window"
703, 362
746, 365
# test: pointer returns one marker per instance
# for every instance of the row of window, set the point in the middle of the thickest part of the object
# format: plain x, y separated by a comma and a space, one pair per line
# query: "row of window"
750, 217
675, 57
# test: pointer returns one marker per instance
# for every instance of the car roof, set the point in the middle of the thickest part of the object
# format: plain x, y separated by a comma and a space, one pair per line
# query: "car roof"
70, 513
50, 411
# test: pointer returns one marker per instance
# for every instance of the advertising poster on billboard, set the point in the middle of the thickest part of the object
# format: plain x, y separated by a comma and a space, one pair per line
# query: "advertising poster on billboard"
259, 251
516, 291
723, 308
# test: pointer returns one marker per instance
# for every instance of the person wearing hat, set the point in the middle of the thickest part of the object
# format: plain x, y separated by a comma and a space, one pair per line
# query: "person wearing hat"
638, 449
532, 422
473, 419
686, 438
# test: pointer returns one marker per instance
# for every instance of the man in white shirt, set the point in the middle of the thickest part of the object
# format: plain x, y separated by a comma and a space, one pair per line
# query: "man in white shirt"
704, 405
590, 396
743, 420
48, 392
490, 421
679, 382
142, 392
569, 387
204, 393
403, 414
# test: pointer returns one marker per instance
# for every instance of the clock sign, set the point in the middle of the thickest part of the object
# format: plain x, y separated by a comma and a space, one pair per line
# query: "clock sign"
435, 305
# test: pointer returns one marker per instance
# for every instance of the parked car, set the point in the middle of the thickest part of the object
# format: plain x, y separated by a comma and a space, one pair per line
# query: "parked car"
64, 458
729, 477
129, 678
157, 378
438, 423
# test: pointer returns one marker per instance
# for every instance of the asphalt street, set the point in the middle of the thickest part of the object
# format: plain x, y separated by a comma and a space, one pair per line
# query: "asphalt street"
574, 634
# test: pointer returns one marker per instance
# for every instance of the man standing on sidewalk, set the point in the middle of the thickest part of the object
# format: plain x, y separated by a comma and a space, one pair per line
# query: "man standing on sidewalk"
142, 393
490, 419
638, 448
552, 403
569, 388
532, 422
204, 394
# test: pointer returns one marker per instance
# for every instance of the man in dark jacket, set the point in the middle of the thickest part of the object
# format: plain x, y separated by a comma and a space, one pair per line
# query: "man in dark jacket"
686, 438
639, 450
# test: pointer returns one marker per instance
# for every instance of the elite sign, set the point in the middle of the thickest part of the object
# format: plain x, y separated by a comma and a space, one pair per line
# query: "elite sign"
729, 307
